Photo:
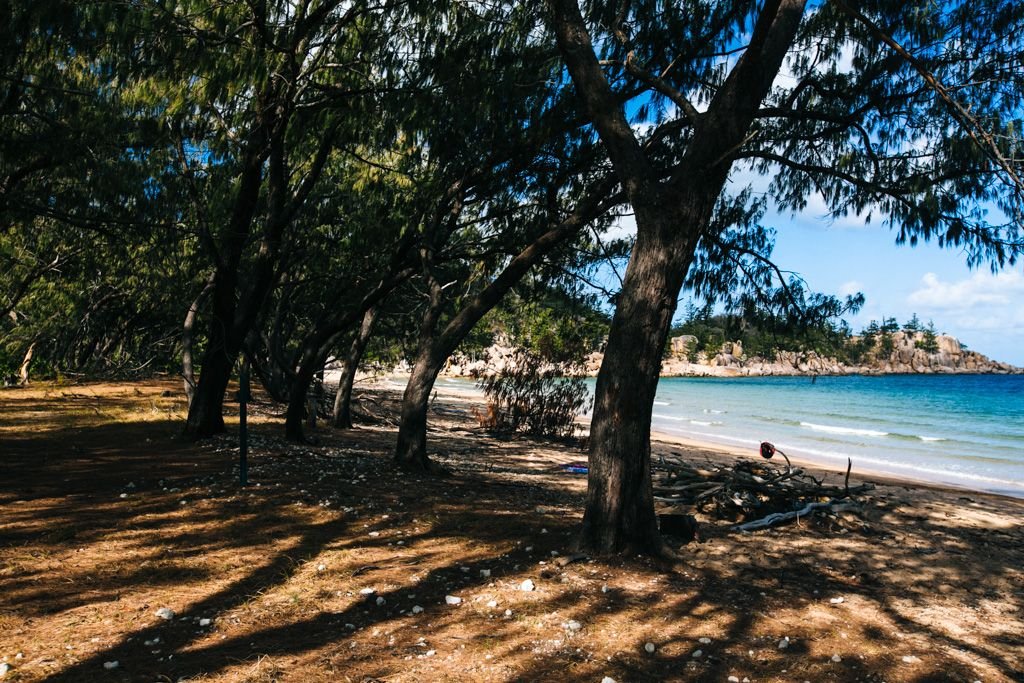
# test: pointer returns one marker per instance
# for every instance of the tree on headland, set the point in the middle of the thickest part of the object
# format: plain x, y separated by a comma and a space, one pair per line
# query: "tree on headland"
881, 135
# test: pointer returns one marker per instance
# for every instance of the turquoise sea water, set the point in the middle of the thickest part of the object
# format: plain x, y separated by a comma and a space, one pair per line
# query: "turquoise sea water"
965, 430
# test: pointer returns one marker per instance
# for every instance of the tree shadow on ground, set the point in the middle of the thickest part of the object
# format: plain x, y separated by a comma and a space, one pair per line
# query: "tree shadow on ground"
279, 569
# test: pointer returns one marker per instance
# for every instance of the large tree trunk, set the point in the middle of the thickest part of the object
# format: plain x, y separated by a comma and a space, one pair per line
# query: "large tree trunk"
670, 219
619, 515
343, 399
411, 450
206, 413
310, 362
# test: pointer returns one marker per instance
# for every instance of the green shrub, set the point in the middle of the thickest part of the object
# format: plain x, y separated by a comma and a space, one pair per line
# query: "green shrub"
535, 397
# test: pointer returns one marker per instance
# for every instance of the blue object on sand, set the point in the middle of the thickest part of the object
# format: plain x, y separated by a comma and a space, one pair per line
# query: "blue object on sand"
576, 468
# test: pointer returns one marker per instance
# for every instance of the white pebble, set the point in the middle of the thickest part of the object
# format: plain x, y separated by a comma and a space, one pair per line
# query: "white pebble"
367, 591
492, 603
417, 609
704, 641
485, 573
784, 643
836, 601
4, 668
110, 665
380, 601
321, 567
573, 625
431, 653
734, 679
910, 659
204, 622
508, 613
124, 495
650, 648
607, 679
697, 654
836, 658
527, 585
452, 600
165, 613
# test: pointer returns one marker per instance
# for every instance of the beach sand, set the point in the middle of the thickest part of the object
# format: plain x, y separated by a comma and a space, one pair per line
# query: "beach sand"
106, 517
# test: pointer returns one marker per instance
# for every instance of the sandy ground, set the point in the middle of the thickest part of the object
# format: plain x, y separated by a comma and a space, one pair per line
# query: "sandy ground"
332, 566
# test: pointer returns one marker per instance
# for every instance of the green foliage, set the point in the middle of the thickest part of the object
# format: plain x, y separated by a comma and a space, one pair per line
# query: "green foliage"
928, 343
550, 323
535, 396
913, 325
886, 345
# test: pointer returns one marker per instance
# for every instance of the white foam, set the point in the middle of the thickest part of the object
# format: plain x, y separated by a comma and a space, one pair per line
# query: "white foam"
662, 403
842, 430
931, 438
669, 417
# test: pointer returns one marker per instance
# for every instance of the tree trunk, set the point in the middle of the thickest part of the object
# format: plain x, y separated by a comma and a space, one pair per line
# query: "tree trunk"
310, 362
670, 219
619, 515
26, 365
411, 450
206, 413
187, 338
343, 399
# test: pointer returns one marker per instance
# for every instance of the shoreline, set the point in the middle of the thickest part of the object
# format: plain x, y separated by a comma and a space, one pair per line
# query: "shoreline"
461, 390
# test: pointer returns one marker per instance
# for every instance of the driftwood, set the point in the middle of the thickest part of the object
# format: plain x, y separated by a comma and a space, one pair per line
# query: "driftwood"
755, 493
779, 517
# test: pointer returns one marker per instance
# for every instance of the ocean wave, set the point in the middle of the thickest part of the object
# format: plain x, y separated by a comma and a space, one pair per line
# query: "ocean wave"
931, 438
662, 403
712, 411
842, 430
703, 423
668, 417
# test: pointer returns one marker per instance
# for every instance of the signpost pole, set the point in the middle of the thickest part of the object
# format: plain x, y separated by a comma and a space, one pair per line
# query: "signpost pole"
243, 431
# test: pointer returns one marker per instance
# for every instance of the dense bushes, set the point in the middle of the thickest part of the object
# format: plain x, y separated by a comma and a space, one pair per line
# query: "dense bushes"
534, 396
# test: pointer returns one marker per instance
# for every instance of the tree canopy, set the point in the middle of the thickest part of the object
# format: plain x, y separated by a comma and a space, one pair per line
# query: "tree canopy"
188, 183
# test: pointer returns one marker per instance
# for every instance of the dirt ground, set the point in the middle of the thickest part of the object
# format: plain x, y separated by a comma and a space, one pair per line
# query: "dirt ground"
333, 566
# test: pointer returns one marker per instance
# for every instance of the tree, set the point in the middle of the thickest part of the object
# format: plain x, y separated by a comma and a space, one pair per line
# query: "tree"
929, 342
845, 133
508, 197
255, 97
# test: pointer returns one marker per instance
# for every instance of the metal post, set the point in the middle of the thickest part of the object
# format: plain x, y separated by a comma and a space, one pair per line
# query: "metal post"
243, 432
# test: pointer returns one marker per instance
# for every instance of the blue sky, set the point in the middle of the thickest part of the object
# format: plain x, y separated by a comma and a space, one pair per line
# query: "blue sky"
984, 310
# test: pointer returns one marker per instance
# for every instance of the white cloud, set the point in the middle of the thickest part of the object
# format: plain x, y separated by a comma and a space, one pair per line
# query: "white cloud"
984, 310
982, 289
850, 288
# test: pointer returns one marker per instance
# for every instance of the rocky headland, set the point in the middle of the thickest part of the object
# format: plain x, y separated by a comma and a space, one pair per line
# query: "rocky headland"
908, 353
906, 357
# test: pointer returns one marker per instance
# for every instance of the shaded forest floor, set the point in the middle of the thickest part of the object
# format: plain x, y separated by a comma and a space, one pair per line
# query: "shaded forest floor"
332, 566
